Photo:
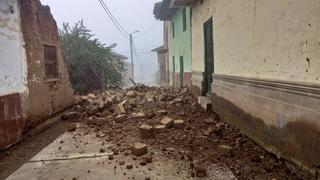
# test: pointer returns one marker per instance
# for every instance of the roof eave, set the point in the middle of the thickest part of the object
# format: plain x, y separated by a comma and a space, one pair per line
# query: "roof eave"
182, 3
162, 10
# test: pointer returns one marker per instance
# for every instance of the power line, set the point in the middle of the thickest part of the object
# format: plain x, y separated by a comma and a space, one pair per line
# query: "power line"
114, 20
149, 29
124, 30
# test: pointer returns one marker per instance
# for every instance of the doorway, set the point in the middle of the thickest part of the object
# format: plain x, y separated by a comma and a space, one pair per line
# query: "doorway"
173, 71
11, 121
209, 57
181, 71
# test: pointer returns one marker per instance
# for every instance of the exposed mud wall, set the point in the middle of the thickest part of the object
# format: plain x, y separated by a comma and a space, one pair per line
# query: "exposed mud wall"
46, 96
282, 117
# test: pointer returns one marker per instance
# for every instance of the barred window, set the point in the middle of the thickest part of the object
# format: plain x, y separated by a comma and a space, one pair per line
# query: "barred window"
50, 59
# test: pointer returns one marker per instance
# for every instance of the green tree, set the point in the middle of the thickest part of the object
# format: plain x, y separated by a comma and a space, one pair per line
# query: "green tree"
91, 64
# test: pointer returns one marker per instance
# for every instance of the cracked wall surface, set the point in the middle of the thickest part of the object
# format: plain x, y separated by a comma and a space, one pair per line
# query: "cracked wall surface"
46, 96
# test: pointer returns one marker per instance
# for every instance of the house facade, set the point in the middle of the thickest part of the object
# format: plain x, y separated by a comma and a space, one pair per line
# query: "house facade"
177, 22
163, 73
163, 62
259, 61
33, 76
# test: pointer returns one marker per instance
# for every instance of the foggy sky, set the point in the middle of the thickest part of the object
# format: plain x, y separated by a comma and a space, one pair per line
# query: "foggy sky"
132, 15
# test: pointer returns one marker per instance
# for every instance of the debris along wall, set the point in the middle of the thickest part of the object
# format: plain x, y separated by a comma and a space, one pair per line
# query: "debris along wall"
13, 74
49, 88
267, 68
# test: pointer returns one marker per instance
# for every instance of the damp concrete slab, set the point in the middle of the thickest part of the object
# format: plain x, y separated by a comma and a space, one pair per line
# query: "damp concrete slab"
72, 157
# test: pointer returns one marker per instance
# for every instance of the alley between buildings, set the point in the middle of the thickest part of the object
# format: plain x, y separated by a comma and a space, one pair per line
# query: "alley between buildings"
149, 133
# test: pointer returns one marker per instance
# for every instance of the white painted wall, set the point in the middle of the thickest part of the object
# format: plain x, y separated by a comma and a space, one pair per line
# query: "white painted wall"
267, 39
13, 65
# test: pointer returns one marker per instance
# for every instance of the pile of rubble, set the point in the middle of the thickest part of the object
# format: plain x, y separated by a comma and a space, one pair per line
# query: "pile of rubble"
169, 119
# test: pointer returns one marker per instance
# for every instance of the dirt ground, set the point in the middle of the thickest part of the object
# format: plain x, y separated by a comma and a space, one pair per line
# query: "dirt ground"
200, 140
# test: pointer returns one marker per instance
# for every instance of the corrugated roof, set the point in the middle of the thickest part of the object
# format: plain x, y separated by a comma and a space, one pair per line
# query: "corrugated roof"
160, 49
162, 10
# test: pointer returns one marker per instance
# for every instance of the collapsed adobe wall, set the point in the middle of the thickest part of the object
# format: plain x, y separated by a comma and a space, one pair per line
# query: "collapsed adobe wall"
46, 96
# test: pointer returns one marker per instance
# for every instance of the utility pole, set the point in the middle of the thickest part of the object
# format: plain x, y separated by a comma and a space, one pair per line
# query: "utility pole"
131, 51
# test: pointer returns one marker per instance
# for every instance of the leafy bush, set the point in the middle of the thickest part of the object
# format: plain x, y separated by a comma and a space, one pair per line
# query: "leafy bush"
91, 64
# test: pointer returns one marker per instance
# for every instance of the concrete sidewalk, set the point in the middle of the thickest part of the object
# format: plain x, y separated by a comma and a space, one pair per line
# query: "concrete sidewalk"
78, 157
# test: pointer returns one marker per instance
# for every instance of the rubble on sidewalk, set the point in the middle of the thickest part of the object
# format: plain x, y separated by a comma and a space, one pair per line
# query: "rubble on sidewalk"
141, 119
71, 127
179, 124
167, 122
139, 149
69, 115
146, 131
120, 108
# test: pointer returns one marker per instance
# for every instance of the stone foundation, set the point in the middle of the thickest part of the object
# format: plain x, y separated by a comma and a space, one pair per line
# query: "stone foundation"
283, 117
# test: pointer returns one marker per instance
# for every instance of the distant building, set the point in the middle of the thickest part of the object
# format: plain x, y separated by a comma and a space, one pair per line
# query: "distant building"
33, 76
163, 61
177, 37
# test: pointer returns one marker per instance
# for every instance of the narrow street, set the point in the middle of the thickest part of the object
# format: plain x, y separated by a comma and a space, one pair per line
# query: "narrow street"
159, 89
183, 141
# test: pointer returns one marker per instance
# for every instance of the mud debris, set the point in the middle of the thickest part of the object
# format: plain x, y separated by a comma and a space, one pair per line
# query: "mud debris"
147, 131
71, 127
142, 120
178, 124
167, 122
139, 149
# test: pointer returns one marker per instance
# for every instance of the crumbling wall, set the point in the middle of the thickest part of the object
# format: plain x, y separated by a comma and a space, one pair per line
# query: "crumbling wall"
46, 96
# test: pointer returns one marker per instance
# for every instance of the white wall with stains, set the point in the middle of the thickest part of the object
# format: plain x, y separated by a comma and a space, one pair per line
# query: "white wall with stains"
13, 65
265, 39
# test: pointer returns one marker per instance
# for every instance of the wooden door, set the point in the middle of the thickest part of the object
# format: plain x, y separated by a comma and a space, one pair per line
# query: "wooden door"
209, 57
181, 71
11, 122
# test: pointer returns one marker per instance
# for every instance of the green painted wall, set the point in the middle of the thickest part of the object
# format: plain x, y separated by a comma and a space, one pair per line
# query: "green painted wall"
180, 44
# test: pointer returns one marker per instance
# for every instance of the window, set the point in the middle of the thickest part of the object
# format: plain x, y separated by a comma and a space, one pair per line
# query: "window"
173, 71
50, 59
181, 71
173, 65
184, 14
173, 31
191, 17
